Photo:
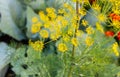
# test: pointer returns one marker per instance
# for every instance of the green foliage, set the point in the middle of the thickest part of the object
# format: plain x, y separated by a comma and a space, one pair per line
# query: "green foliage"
81, 60
32, 63
95, 61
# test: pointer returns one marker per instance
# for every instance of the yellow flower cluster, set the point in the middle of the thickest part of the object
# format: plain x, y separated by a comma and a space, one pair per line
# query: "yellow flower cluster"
62, 47
102, 17
96, 7
37, 45
89, 41
89, 30
81, 1
66, 38
55, 24
116, 24
84, 23
74, 41
79, 33
36, 25
115, 48
82, 11
44, 34
99, 27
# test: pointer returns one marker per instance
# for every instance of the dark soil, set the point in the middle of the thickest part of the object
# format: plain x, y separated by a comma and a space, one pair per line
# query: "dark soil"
10, 73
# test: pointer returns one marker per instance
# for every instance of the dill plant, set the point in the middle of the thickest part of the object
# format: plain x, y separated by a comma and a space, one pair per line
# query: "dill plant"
78, 53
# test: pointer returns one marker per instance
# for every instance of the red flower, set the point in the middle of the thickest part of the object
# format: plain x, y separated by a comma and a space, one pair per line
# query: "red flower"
114, 16
109, 33
118, 36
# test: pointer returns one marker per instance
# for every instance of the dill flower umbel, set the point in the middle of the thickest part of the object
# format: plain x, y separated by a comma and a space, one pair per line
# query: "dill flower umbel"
44, 34
99, 27
66, 38
101, 17
74, 41
82, 11
89, 30
43, 17
96, 7
35, 27
89, 41
79, 33
84, 23
62, 47
116, 24
37, 45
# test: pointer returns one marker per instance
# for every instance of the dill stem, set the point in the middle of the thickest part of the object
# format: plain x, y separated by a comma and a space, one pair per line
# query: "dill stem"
73, 49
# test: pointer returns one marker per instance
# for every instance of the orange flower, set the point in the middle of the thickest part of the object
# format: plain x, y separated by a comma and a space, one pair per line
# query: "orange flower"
118, 36
109, 33
114, 16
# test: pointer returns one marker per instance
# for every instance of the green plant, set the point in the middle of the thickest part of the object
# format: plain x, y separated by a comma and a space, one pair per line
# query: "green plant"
74, 52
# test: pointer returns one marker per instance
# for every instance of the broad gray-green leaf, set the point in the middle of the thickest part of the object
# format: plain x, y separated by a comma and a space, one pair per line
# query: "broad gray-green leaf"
5, 54
30, 15
11, 18
54, 3
38, 4
42, 4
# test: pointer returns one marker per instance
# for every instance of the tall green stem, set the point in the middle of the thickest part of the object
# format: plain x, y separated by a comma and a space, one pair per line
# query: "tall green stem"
73, 50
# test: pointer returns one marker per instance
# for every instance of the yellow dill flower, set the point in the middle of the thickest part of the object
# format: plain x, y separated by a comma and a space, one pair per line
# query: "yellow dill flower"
44, 34
79, 33
115, 48
116, 11
116, 8
74, 41
82, 11
47, 25
81, 1
59, 18
64, 23
84, 23
51, 15
62, 47
35, 27
74, 0
99, 27
96, 7
112, 1
74, 25
89, 41
43, 17
101, 17
55, 36
50, 10
89, 30
66, 38
61, 11
66, 5
70, 32
116, 24
34, 19
38, 24
75, 17
37, 45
